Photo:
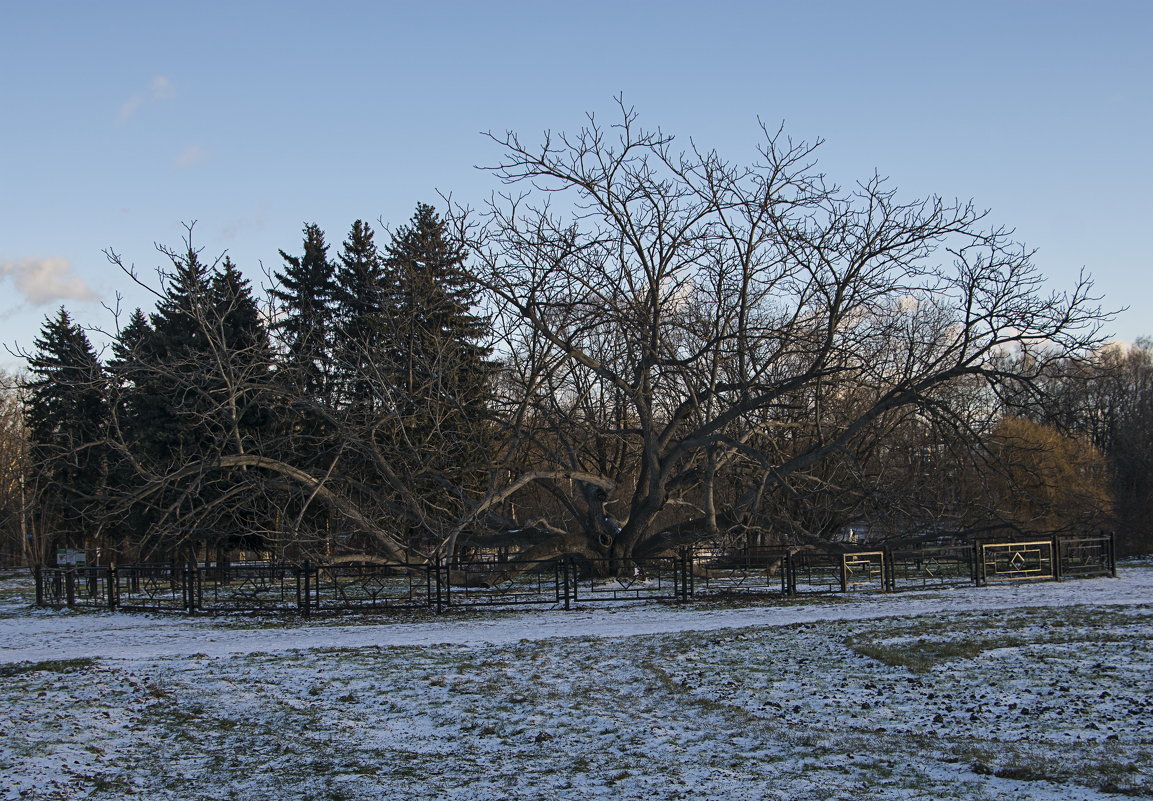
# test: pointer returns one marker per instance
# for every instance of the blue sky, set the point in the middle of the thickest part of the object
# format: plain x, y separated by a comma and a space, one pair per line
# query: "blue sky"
124, 120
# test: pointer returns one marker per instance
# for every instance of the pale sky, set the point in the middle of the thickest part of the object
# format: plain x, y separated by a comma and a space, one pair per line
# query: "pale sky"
122, 121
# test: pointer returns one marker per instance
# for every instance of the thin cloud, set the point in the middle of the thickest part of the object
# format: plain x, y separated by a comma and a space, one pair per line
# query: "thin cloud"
162, 88
46, 281
257, 221
159, 88
189, 156
130, 106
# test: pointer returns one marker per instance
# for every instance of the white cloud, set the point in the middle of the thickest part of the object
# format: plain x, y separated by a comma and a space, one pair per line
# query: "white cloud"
162, 88
45, 281
159, 88
189, 156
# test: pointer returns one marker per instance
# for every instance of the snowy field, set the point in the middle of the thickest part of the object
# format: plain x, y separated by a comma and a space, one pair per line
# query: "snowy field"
1014, 692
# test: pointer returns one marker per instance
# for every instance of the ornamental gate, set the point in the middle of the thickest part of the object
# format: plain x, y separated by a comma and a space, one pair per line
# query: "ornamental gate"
1016, 561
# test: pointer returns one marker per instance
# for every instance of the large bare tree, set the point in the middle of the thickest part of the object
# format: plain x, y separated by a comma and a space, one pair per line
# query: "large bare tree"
683, 336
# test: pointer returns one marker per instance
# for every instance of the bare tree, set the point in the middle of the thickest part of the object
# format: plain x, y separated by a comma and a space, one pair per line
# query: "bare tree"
683, 336
17, 547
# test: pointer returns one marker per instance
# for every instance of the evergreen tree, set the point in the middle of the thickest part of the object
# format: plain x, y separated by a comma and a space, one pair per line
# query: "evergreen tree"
437, 337
178, 354
127, 368
361, 318
193, 382
66, 416
306, 293
136, 415
438, 365
240, 346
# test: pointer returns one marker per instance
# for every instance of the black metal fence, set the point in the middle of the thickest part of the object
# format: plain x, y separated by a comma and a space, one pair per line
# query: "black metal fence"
308, 588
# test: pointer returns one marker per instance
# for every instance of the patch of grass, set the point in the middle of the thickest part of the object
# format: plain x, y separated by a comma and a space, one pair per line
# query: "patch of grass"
920, 645
47, 666
923, 655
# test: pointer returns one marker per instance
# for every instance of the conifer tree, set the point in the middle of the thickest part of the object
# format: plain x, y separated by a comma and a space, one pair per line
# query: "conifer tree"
361, 317
179, 350
193, 386
240, 345
66, 416
135, 416
438, 366
437, 339
305, 294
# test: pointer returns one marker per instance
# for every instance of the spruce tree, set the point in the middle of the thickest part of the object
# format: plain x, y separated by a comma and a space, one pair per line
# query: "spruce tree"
438, 362
361, 318
193, 381
66, 416
305, 320
240, 346
437, 337
136, 414
179, 353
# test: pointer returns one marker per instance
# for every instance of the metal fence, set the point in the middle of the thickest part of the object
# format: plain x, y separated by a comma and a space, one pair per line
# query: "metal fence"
308, 589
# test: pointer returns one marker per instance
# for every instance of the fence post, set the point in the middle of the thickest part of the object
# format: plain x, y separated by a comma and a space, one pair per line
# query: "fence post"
190, 586
38, 575
565, 580
113, 600
436, 576
844, 573
978, 571
1056, 556
306, 602
1111, 553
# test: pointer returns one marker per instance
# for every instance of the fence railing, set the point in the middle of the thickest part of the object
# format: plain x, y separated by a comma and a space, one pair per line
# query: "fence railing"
308, 588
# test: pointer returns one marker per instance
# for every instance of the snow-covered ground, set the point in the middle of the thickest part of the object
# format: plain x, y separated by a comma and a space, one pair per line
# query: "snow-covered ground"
1040, 691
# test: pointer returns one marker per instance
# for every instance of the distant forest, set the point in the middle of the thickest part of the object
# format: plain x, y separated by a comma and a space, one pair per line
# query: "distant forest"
633, 348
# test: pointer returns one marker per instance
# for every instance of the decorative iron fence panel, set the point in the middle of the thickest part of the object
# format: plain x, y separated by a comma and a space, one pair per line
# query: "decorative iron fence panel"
1083, 557
84, 587
371, 588
248, 588
656, 579
155, 588
913, 568
503, 583
1015, 561
753, 571
814, 572
864, 571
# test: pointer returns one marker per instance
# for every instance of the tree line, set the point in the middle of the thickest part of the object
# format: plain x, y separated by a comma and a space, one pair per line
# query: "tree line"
634, 347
